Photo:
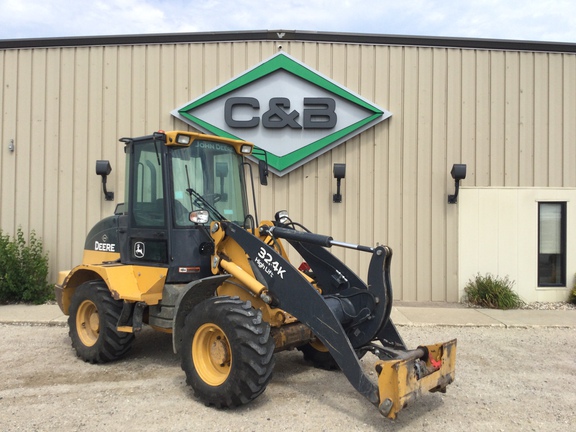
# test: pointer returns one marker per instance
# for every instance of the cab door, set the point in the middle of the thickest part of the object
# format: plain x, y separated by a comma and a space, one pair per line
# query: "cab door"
144, 228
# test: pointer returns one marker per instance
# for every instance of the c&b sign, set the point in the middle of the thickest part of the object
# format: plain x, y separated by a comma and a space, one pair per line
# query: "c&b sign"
285, 108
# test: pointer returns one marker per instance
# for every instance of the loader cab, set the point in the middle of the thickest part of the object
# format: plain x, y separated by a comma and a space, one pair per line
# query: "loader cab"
173, 181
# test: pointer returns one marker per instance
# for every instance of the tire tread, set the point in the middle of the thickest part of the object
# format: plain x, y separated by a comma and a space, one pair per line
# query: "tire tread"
111, 344
252, 346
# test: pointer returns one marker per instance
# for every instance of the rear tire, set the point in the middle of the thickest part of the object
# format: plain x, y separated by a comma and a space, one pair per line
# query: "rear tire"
227, 352
319, 356
93, 318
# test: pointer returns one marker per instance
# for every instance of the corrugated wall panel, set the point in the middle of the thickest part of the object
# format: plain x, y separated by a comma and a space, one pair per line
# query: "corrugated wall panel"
511, 120
395, 221
382, 151
409, 121
568, 121
9, 84
508, 115
423, 175
481, 113
24, 122
496, 118
541, 128
37, 146
526, 124
468, 115
93, 140
64, 245
555, 108
439, 159
454, 154
51, 211
78, 146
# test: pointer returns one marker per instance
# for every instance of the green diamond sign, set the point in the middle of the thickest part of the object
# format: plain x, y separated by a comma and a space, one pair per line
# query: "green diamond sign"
287, 109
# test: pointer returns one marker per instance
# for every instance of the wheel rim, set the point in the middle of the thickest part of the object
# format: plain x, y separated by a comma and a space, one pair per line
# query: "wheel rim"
211, 354
88, 323
318, 346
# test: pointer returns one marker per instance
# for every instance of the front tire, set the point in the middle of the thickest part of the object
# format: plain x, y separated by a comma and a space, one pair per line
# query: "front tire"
227, 352
93, 318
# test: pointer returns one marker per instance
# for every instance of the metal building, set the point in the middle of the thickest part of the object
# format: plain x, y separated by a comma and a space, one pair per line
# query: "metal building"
506, 109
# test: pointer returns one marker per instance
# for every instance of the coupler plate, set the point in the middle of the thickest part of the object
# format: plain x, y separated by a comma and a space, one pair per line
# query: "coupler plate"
400, 381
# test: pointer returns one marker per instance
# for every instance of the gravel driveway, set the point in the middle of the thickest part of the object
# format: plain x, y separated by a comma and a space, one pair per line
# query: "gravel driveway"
515, 379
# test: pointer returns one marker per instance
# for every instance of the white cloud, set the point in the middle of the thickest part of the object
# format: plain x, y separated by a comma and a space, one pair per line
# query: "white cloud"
35, 18
552, 20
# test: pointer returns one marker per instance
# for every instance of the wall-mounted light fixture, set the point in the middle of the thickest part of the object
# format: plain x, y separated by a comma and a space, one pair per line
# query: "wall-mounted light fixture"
458, 173
11, 145
103, 169
339, 174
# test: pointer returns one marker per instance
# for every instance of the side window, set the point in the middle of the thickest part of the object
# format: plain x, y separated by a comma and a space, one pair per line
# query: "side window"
228, 187
551, 244
148, 191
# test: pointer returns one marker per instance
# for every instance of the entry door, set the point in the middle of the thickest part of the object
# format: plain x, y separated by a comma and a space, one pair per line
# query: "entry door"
147, 233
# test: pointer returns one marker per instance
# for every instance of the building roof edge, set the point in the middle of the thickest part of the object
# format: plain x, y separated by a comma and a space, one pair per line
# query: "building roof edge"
289, 35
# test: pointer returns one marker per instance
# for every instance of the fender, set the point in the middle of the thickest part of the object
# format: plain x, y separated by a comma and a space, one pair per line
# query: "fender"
194, 293
139, 283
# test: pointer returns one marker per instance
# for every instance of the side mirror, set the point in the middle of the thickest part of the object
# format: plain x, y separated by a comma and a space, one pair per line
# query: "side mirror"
263, 172
199, 217
104, 169
221, 169
222, 173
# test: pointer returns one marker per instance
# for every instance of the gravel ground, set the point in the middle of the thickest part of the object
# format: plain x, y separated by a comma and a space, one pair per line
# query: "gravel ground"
506, 380
549, 306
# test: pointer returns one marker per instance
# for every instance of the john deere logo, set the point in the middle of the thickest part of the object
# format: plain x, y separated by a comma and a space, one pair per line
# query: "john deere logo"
139, 250
285, 108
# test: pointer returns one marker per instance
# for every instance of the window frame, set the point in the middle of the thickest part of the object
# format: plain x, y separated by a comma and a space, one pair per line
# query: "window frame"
563, 248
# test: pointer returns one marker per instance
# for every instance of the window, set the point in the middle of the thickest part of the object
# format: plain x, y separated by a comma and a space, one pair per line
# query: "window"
147, 199
551, 244
215, 172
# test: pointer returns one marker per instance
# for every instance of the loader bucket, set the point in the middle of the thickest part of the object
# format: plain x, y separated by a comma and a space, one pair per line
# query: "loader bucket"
402, 381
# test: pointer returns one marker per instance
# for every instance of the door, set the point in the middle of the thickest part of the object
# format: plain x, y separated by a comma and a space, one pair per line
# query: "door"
145, 233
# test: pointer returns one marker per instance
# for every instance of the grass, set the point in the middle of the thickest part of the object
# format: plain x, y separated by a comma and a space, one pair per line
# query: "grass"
492, 292
572, 297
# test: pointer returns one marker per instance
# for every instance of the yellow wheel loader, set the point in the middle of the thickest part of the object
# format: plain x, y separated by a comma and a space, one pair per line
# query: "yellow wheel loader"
183, 255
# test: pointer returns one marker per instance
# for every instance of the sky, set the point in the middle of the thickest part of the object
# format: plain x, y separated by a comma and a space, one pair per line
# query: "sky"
533, 20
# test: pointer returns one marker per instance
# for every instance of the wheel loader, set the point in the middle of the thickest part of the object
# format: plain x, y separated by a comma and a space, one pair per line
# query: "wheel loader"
184, 256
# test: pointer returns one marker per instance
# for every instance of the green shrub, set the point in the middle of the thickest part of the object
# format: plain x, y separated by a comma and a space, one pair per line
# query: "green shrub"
23, 270
492, 292
572, 296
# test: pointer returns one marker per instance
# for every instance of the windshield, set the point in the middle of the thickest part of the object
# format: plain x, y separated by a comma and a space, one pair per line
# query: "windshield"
208, 176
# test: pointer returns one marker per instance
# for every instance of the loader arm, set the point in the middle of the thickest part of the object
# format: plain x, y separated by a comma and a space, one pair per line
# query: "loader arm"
343, 312
288, 288
325, 266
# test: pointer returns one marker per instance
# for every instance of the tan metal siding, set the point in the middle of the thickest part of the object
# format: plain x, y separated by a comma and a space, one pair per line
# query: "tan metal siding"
569, 121
508, 115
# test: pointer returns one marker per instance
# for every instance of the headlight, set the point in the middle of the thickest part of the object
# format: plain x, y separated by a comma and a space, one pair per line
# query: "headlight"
183, 139
282, 217
245, 149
